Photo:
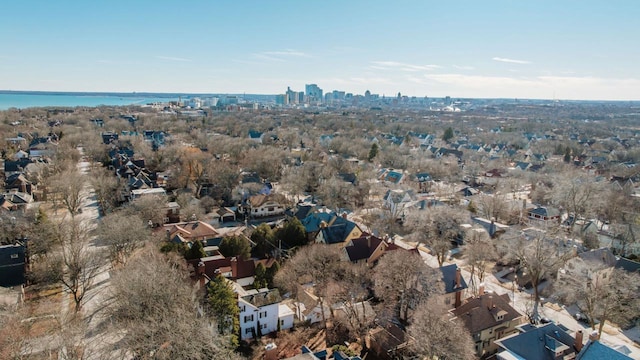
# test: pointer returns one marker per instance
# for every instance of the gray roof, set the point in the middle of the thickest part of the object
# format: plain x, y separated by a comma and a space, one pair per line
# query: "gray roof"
535, 343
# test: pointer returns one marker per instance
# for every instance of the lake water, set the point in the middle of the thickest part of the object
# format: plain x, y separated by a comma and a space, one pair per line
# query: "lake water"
27, 100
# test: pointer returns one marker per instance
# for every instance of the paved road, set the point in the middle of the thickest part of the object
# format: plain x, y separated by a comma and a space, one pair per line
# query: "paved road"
97, 337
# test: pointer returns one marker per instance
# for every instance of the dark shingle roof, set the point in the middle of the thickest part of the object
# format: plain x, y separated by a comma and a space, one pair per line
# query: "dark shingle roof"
362, 247
477, 314
628, 265
449, 278
12, 265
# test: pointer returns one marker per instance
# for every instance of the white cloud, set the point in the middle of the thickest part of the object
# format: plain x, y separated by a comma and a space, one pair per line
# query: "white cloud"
287, 52
567, 87
395, 65
511, 61
464, 67
172, 58
280, 56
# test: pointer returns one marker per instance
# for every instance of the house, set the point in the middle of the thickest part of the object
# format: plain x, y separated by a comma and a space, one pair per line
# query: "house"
263, 205
20, 154
157, 138
366, 248
521, 165
454, 285
423, 180
20, 183
15, 167
256, 136
391, 176
15, 200
387, 341
543, 215
261, 313
397, 200
595, 350
307, 307
188, 232
224, 214
544, 342
493, 228
488, 317
138, 193
13, 263
338, 230
109, 137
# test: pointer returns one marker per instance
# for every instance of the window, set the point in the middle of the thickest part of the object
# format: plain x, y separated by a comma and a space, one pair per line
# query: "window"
248, 318
281, 322
270, 209
264, 326
255, 210
262, 314
14, 256
247, 331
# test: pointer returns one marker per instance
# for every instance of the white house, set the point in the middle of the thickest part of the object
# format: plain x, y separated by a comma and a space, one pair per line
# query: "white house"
261, 313
265, 205
137, 193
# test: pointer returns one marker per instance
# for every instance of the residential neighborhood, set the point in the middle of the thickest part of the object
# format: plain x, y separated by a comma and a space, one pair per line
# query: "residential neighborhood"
328, 232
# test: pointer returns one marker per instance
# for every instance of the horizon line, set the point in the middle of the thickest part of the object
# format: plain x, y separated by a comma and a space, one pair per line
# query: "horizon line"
5, 91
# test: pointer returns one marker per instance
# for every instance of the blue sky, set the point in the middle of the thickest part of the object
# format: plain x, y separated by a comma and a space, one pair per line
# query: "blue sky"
526, 49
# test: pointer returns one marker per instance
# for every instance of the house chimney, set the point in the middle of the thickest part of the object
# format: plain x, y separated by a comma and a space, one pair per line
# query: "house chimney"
578, 343
481, 289
458, 276
200, 273
489, 301
594, 336
369, 242
344, 215
234, 267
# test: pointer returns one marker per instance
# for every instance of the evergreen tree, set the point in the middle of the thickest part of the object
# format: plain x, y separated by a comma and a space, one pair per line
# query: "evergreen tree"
235, 246
271, 273
264, 238
196, 251
373, 152
260, 280
223, 304
292, 233
567, 155
448, 134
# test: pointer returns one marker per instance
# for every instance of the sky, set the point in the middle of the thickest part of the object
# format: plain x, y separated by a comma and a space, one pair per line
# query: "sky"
561, 49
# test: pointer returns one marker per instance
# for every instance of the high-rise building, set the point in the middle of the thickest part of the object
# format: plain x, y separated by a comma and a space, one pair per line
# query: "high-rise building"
313, 93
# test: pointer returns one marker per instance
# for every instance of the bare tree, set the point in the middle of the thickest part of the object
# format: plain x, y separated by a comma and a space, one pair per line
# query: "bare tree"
438, 228
435, 337
79, 264
602, 294
403, 280
68, 187
106, 188
538, 256
479, 250
148, 291
575, 194
122, 233
352, 292
150, 208
316, 263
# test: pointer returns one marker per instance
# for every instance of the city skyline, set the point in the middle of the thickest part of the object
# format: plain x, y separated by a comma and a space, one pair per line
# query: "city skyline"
498, 49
